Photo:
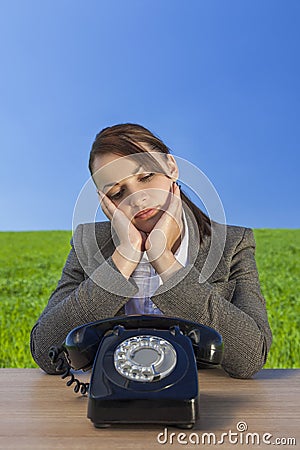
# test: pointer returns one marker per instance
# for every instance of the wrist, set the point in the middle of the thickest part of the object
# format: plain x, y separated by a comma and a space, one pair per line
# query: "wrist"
166, 265
125, 261
130, 253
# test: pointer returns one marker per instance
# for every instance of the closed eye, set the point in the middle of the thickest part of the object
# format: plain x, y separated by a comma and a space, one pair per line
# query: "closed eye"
117, 195
147, 177
143, 179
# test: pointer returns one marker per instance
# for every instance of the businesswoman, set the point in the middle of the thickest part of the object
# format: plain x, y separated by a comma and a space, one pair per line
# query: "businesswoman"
150, 256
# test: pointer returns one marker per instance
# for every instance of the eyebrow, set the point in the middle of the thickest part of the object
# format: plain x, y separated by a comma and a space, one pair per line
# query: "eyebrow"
114, 184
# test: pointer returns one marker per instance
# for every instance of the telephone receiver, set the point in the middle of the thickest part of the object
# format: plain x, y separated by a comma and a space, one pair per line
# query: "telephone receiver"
144, 367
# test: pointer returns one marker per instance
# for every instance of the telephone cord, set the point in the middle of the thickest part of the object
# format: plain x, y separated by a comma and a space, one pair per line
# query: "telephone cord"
61, 365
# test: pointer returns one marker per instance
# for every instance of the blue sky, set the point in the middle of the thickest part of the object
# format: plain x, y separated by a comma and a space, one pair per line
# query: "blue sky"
217, 80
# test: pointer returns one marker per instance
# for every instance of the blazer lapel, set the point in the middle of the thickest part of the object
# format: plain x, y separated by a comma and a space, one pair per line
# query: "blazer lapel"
207, 257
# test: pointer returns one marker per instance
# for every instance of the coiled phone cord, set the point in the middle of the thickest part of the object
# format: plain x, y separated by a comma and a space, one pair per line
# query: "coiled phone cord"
61, 364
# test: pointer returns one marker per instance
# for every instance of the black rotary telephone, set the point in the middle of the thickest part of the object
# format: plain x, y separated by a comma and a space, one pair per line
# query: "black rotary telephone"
144, 367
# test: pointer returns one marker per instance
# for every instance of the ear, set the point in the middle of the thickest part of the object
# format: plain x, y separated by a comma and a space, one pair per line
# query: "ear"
173, 168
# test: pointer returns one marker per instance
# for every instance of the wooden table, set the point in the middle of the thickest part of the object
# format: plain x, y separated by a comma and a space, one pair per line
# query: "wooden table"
39, 412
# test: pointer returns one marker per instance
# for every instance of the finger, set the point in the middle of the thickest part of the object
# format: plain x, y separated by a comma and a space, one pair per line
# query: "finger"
176, 189
103, 196
175, 207
175, 200
105, 211
107, 205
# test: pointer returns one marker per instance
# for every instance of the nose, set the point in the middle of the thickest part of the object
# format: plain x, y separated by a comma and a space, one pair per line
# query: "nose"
139, 199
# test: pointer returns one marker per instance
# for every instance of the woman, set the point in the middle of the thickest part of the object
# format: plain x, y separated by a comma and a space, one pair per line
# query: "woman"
149, 258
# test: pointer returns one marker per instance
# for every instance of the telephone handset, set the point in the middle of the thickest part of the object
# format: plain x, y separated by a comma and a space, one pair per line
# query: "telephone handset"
144, 367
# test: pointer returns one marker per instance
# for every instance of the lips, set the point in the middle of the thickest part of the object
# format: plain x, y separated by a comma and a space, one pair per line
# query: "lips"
145, 213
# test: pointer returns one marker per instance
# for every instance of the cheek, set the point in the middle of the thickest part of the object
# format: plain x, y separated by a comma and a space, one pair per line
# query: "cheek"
127, 210
161, 190
163, 197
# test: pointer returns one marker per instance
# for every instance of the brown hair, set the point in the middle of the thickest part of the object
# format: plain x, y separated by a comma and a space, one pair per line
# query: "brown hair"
127, 139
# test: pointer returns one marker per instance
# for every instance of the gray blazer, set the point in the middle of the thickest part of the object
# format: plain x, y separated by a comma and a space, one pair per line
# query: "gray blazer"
219, 288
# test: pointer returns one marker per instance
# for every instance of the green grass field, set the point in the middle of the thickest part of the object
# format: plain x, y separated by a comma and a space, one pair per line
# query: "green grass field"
31, 264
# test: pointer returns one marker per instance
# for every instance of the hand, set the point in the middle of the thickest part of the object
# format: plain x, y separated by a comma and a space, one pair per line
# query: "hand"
168, 229
132, 241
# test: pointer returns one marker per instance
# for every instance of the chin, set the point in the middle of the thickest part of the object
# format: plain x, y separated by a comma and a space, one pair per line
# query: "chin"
147, 226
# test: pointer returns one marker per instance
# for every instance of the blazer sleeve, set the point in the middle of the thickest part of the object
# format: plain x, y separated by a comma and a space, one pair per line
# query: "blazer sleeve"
235, 308
77, 300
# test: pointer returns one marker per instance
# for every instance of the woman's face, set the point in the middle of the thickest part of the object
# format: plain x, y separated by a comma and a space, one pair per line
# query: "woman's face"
143, 195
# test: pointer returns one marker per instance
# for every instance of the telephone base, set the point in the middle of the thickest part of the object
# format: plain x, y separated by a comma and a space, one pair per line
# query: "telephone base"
144, 368
118, 398
180, 413
183, 426
102, 425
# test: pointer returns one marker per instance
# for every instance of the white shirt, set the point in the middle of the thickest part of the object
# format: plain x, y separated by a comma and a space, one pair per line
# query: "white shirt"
148, 280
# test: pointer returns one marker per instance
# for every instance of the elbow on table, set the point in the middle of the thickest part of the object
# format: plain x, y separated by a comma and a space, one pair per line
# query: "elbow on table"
245, 369
47, 367
243, 373
42, 359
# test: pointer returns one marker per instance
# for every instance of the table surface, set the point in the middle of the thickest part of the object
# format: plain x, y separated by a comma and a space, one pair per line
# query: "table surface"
38, 411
